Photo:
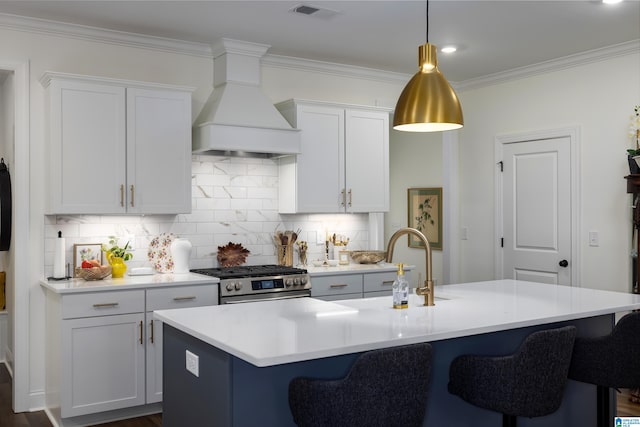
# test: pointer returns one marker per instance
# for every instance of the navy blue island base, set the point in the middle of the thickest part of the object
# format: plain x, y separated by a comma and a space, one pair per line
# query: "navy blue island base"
230, 392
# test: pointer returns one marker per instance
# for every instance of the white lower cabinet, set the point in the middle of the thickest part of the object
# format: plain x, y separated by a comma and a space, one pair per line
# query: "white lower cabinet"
354, 285
104, 369
104, 349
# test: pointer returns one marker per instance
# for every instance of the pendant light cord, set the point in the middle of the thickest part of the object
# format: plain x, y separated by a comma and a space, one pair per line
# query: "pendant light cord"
427, 21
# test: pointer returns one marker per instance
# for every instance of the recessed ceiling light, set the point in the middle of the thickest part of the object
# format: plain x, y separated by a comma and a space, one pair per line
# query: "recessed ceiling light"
448, 49
611, 1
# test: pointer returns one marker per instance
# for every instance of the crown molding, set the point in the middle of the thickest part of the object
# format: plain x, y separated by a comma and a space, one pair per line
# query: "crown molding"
101, 35
570, 61
330, 68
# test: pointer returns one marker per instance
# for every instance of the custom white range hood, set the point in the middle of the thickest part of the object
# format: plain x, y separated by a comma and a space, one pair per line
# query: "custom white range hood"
238, 119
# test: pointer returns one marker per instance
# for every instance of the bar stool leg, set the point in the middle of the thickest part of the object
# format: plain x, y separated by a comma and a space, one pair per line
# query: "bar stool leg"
508, 420
603, 406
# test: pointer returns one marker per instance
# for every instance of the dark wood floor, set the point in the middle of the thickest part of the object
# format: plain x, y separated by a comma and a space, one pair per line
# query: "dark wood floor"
626, 408
39, 419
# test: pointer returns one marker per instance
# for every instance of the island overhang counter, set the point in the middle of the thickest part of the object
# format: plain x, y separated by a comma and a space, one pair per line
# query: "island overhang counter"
248, 353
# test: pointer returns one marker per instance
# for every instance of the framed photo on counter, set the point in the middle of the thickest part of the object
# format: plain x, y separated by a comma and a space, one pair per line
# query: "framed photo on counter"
85, 252
425, 214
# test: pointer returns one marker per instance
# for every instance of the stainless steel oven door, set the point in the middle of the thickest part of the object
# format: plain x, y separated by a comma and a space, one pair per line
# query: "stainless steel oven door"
265, 297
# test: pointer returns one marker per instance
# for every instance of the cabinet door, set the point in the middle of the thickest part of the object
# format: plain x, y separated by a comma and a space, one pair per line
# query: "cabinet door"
104, 367
154, 358
367, 161
87, 147
158, 151
320, 166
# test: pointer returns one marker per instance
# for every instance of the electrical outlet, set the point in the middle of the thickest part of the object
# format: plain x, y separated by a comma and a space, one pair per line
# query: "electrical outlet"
320, 236
594, 238
193, 363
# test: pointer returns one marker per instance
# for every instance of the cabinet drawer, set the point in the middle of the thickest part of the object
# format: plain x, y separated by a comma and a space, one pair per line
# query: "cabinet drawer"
181, 297
102, 304
379, 281
336, 285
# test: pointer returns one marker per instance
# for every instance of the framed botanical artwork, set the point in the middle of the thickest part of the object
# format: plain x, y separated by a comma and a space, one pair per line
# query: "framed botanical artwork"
85, 252
425, 215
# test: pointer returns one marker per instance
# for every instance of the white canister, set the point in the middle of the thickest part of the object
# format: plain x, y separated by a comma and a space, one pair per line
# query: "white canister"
180, 252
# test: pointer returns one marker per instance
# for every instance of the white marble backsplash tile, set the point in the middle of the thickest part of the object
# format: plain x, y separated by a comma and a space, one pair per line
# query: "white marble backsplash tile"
234, 200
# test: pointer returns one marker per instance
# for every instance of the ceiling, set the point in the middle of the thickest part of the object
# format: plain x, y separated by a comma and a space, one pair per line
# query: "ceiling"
492, 36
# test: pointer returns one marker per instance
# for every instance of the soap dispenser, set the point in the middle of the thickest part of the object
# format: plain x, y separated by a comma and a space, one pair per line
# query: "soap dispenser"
400, 289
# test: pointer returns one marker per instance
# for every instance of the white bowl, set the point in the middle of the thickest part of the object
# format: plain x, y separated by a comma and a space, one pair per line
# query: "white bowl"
317, 263
332, 262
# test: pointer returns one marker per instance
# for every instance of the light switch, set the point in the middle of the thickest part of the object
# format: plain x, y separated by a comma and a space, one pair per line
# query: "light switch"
594, 238
464, 233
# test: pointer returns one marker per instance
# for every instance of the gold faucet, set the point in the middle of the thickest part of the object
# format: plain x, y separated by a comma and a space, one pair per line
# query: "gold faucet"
427, 289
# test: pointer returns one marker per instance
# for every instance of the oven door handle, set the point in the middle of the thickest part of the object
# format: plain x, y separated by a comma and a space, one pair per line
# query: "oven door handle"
266, 299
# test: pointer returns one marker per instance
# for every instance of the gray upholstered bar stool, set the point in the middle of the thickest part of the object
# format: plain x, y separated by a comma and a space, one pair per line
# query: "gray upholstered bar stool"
385, 387
529, 383
610, 361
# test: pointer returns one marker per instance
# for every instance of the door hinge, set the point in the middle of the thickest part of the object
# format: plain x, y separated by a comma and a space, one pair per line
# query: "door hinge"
501, 163
502, 242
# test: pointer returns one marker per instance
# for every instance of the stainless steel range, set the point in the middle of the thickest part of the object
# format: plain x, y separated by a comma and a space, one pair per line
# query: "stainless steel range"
249, 283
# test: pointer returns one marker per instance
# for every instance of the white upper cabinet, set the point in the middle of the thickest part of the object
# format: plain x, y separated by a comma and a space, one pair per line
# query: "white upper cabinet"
117, 147
344, 160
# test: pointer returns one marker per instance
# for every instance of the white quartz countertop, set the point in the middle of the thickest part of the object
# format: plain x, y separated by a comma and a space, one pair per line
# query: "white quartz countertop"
127, 282
276, 332
355, 269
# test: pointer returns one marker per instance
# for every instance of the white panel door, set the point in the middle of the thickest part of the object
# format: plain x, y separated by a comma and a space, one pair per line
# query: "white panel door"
537, 211
104, 369
367, 161
321, 163
87, 147
158, 151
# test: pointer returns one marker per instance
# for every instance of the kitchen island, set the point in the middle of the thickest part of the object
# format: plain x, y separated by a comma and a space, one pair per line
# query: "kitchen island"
247, 354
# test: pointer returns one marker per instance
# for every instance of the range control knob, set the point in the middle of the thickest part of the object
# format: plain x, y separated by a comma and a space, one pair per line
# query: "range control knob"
238, 286
288, 283
303, 280
229, 287
296, 281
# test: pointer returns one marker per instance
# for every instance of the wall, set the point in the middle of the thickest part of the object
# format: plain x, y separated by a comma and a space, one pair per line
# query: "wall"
599, 98
234, 200
415, 161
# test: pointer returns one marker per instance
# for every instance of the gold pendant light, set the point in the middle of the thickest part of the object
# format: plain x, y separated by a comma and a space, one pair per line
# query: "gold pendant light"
428, 103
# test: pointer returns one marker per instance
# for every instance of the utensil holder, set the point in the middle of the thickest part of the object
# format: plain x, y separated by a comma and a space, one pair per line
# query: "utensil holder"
285, 255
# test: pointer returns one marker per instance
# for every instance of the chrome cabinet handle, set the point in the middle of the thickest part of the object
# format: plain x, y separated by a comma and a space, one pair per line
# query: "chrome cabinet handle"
343, 196
122, 195
339, 285
141, 326
132, 195
151, 322
105, 304
387, 282
350, 198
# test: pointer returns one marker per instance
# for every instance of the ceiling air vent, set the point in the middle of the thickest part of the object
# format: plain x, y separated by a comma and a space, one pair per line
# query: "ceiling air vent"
305, 10
316, 12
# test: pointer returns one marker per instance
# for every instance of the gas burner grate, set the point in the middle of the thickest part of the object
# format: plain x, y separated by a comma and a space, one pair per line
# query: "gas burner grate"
249, 271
